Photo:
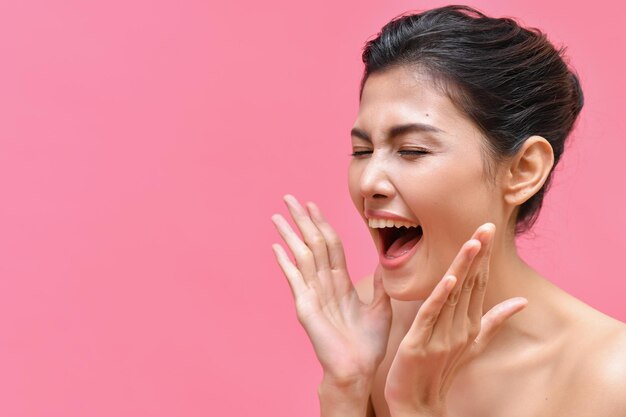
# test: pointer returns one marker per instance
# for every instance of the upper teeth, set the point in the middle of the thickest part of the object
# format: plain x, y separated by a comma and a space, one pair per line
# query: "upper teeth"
381, 223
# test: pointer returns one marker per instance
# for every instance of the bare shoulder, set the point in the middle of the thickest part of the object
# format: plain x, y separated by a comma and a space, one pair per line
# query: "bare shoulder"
607, 364
365, 288
599, 378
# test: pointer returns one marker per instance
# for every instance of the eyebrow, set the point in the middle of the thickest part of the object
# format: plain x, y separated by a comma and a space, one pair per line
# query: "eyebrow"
397, 130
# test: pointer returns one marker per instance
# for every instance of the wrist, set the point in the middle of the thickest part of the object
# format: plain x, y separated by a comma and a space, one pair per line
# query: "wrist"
344, 397
413, 411
349, 387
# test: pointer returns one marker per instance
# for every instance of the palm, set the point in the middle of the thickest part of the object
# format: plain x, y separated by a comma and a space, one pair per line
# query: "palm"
349, 336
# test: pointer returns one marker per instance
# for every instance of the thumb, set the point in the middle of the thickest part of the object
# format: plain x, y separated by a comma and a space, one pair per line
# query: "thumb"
493, 320
379, 291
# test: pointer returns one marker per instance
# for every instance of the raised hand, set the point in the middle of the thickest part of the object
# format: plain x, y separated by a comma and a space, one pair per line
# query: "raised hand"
448, 331
349, 336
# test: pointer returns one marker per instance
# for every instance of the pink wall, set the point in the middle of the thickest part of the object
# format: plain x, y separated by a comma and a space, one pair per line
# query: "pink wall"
144, 146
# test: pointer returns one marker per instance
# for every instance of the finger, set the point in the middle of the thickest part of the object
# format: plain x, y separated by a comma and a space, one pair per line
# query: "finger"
296, 282
464, 330
301, 252
335, 248
463, 322
457, 299
494, 319
310, 233
421, 330
475, 308
461, 266
337, 260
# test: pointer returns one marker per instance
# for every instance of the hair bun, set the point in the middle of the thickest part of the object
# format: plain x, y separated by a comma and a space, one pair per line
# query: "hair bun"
577, 95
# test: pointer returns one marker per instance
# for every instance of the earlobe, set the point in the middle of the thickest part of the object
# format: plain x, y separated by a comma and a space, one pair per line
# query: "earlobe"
528, 170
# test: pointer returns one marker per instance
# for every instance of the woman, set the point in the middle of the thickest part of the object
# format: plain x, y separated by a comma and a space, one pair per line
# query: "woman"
462, 119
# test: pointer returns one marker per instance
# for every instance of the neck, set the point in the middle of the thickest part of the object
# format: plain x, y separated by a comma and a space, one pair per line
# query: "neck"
510, 276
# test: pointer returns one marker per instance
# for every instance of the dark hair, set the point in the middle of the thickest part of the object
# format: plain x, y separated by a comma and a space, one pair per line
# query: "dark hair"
509, 80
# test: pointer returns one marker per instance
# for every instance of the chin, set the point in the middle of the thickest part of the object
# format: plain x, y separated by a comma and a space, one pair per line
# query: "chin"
406, 286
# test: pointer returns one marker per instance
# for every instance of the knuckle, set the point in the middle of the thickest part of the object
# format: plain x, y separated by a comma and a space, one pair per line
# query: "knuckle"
411, 351
302, 311
440, 349
459, 341
316, 240
301, 315
473, 332
481, 284
294, 274
429, 319
484, 272
335, 241
469, 283
304, 256
407, 349
453, 299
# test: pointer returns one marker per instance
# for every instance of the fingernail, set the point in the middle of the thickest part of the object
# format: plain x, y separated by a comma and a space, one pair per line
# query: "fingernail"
517, 302
475, 242
294, 204
450, 282
522, 300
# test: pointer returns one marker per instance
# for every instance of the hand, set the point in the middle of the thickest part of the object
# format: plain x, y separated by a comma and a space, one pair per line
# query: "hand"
349, 337
448, 331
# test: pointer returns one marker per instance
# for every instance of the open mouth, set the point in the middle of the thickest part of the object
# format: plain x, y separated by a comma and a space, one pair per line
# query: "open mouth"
399, 240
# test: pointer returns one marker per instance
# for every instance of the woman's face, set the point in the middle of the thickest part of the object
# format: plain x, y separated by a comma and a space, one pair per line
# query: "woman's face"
430, 175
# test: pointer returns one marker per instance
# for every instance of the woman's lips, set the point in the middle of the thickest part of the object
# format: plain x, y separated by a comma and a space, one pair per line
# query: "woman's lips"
382, 214
393, 262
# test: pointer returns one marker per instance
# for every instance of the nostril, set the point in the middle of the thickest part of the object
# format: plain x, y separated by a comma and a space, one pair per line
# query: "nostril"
376, 185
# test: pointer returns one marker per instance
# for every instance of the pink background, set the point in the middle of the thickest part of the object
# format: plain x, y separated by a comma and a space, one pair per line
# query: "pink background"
144, 146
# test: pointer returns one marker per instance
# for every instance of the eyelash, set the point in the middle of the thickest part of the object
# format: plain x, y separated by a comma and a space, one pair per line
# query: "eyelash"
356, 154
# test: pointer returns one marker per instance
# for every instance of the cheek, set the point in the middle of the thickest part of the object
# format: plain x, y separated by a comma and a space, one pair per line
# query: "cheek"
354, 177
450, 208
450, 197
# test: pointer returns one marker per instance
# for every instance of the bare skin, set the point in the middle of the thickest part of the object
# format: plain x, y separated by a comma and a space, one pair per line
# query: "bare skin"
537, 365
462, 326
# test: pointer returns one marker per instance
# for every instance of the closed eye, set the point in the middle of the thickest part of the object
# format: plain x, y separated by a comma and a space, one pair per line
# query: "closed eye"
412, 152
360, 153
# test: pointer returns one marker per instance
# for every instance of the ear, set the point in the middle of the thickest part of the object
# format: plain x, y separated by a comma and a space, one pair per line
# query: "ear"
528, 170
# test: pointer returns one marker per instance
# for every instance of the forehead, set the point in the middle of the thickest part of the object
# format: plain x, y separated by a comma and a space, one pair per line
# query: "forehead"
401, 95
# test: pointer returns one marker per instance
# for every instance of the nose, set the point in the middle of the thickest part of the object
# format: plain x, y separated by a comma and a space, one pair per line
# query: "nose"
374, 182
